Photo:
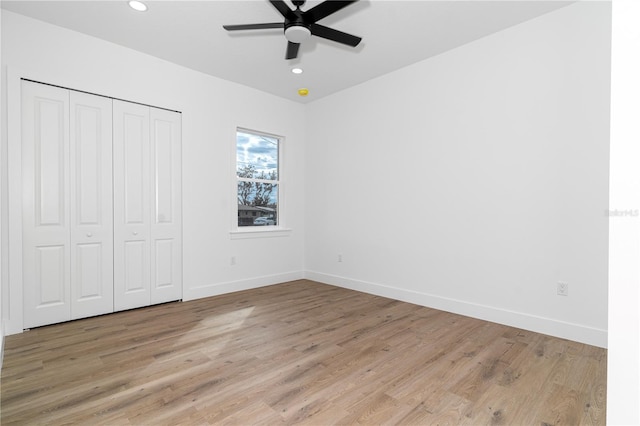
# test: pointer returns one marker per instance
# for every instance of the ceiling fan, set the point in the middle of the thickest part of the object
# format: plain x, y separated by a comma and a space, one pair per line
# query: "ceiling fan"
300, 25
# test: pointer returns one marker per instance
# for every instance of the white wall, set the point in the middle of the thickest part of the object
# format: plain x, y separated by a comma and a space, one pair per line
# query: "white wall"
2, 203
211, 111
623, 371
474, 181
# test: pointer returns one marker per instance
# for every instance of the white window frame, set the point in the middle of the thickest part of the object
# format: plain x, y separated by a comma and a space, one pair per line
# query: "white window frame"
278, 230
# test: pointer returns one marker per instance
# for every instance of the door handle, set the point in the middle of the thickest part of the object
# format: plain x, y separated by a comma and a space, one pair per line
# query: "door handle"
135, 232
89, 235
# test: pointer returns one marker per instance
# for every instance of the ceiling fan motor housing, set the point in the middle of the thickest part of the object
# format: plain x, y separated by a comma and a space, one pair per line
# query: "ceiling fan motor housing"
297, 33
296, 29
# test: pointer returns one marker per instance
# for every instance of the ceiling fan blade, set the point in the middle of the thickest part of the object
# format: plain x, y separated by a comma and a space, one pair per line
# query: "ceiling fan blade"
334, 35
253, 26
325, 9
292, 50
282, 7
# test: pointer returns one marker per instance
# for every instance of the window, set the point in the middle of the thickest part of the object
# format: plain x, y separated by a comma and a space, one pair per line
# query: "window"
258, 178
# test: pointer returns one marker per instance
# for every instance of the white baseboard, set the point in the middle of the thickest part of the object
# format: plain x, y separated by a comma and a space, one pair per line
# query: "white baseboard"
565, 330
233, 286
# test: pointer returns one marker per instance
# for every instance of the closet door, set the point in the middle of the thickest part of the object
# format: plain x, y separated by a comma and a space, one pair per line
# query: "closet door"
45, 218
91, 212
131, 187
166, 222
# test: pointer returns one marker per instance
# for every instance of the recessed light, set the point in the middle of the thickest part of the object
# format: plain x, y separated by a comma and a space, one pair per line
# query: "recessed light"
138, 5
296, 70
303, 91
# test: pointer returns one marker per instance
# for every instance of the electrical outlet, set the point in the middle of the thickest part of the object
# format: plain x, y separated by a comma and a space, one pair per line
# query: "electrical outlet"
563, 288
233, 261
339, 257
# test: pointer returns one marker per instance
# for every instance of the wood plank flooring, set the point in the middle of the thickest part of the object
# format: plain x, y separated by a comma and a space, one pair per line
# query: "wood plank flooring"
297, 353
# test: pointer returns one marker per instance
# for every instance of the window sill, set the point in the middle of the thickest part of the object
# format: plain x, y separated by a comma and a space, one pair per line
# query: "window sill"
260, 232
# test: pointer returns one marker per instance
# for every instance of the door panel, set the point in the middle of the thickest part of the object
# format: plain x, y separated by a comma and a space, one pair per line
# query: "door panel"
89, 135
131, 186
135, 276
50, 149
50, 284
91, 205
45, 180
135, 150
164, 263
89, 271
164, 171
166, 226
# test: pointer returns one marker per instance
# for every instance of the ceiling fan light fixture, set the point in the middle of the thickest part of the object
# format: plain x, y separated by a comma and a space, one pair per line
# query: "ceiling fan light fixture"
297, 33
138, 5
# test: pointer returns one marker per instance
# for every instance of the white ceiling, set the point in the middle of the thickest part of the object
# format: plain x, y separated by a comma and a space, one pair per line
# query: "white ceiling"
395, 34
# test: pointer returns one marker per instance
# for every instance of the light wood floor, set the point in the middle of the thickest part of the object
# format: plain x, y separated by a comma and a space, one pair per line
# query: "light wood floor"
298, 353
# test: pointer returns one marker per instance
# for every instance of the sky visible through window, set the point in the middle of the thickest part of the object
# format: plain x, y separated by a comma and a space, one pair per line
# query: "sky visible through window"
258, 151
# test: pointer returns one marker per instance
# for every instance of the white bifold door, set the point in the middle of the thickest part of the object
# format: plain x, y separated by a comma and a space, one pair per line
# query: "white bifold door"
101, 205
147, 210
67, 205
